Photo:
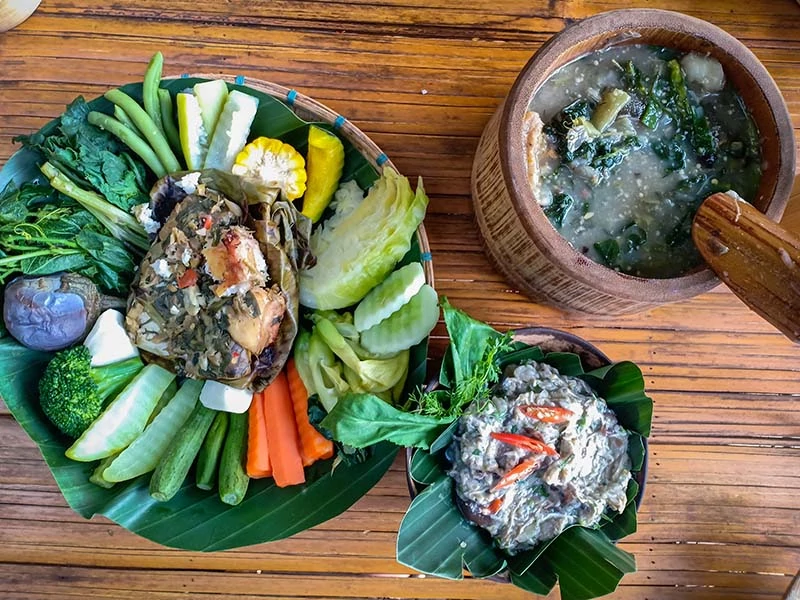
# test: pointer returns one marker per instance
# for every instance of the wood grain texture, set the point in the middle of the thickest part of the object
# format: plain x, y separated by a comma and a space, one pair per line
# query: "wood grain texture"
721, 516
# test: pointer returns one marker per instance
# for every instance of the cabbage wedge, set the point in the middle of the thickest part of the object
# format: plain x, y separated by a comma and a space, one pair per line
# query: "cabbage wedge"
358, 250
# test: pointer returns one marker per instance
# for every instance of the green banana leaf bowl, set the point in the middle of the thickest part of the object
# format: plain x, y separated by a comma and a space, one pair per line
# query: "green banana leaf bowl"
195, 519
536, 571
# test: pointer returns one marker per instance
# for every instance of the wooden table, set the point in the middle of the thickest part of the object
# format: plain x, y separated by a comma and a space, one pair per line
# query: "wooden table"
721, 517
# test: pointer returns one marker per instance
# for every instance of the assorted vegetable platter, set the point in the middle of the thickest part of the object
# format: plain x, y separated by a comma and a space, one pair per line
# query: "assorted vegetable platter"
193, 278
523, 444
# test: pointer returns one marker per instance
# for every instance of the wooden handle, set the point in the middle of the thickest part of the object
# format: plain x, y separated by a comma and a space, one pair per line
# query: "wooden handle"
756, 258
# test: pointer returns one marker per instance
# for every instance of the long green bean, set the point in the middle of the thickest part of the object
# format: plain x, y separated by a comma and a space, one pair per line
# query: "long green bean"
168, 120
130, 139
148, 128
121, 116
152, 80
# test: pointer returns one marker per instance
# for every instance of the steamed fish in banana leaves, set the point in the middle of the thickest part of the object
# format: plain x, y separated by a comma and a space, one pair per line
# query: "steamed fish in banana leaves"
216, 296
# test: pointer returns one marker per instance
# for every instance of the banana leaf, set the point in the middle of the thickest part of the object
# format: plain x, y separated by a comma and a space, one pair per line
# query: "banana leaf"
436, 539
194, 519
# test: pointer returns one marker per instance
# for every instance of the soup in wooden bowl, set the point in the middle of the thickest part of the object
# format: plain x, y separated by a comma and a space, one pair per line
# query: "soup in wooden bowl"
587, 177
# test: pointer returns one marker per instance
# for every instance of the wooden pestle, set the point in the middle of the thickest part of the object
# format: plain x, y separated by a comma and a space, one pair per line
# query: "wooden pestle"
755, 257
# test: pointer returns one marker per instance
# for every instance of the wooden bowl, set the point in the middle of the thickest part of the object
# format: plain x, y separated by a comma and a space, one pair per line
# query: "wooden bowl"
517, 235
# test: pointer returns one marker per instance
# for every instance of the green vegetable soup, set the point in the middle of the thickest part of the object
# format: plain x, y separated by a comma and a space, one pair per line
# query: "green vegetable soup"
624, 144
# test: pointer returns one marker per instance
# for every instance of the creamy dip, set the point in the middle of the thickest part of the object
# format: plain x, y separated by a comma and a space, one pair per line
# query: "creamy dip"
588, 475
625, 143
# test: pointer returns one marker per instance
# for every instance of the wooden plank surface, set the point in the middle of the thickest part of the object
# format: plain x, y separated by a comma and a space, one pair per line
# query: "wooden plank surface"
721, 516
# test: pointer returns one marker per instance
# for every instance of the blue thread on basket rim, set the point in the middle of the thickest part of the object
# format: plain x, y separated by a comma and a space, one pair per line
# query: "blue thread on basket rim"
340, 120
291, 96
382, 159
239, 80
426, 257
184, 76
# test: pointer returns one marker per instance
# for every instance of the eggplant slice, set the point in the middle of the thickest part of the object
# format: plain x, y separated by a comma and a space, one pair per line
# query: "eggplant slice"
216, 296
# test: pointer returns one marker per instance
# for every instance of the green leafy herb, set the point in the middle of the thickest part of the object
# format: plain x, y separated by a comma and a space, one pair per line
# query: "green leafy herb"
91, 157
40, 235
558, 209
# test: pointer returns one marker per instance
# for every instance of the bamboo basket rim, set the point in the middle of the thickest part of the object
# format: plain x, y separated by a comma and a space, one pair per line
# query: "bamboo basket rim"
619, 26
307, 108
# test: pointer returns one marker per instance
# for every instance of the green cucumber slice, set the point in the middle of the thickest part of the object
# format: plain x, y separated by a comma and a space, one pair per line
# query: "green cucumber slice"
125, 418
389, 296
406, 327
211, 96
231, 131
143, 454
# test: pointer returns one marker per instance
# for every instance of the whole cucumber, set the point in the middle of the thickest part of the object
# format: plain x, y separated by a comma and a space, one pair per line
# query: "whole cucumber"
208, 459
179, 456
233, 479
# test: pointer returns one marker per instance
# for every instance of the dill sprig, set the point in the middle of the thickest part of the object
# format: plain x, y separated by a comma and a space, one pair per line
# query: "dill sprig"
475, 387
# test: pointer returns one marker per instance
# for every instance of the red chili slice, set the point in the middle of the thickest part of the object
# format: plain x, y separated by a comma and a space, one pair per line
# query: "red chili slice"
525, 442
188, 279
521, 471
495, 505
546, 414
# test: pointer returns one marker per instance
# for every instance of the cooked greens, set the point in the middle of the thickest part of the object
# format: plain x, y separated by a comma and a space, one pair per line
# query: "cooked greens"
639, 134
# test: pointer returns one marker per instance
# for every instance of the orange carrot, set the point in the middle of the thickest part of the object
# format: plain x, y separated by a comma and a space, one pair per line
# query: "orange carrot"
284, 441
313, 445
257, 449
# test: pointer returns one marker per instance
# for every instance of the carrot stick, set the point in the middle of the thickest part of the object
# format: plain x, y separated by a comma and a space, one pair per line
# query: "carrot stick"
313, 445
284, 441
258, 464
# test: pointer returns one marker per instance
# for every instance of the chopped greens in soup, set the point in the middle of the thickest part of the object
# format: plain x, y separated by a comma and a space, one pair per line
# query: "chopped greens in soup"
624, 144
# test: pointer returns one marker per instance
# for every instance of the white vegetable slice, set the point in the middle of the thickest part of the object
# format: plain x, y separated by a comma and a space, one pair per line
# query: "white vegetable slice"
108, 342
125, 418
389, 296
231, 131
406, 327
145, 451
225, 398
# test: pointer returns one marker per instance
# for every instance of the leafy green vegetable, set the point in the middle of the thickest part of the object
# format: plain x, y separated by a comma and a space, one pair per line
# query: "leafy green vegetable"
635, 237
72, 393
690, 115
358, 250
612, 102
360, 420
91, 157
41, 234
672, 153
558, 209
118, 222
608, 251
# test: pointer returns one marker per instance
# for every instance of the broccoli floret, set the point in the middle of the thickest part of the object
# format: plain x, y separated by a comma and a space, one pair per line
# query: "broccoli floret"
72, 393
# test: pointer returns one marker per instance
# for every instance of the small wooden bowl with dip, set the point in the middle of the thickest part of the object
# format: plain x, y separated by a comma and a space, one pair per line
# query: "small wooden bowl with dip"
517, 234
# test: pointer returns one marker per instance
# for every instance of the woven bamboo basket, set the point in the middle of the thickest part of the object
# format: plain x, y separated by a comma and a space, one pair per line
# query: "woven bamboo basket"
516, 234
310, 110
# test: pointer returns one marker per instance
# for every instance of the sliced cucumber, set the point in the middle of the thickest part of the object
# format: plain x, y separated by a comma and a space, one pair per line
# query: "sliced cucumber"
193, 134
125, 418
211, 95
143, 454
406, 327
231, 131
388, 296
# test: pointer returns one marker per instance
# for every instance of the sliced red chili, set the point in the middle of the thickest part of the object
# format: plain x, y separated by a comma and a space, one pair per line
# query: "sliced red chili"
495, 505
546, 414
521, 471
188, 279
525, 442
